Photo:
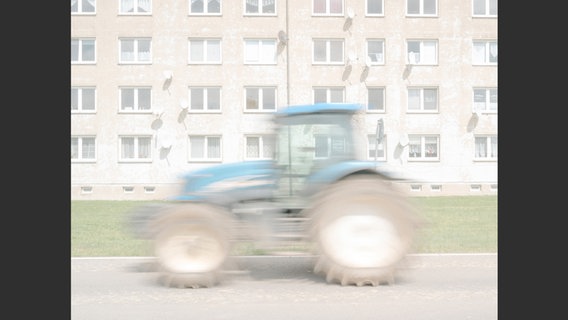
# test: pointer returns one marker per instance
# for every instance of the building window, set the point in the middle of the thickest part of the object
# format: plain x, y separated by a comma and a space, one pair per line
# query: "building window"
486, 147
327, 146
260, 51
328, 51
135, 6
376, 151
259, 147
135, 50
205, 7
484, 52
376, 51
327, 7
83, 6
485, 8
422, 52
260, 99
374, 8
205, 99
83, 99
422, 99
204, 148
135, 148
260, 7
135, 99
376, 99
83, 51
485, 100
423, 147
421, 7
329, 95
204, 51
83, 149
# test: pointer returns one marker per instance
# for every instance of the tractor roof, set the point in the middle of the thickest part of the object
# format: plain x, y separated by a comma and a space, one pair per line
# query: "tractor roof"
319, 108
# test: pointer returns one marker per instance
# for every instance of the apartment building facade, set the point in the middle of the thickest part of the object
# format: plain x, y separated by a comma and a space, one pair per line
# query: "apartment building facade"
162, 87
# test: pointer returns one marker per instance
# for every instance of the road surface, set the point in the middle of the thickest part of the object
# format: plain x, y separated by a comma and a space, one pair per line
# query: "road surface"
436, 287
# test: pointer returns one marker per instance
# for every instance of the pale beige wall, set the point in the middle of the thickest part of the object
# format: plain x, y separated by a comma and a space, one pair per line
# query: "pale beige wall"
169, 26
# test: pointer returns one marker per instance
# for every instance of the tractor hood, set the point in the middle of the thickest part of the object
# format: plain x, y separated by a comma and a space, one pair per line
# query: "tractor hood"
225, 183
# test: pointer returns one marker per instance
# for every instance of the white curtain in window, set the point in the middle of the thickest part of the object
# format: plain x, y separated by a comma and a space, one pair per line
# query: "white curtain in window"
478, 53
494, 147
428, 52
127, 5
88, 148
481, 147
268, 51
127, 151
74, 148
197, 147
144, 5
251, 51
253, 147
336, 6
144, 148
213, 51
213, 148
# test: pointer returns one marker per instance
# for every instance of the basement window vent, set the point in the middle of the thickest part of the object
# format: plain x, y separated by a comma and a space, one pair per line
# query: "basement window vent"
436, 187
493, 187
86, 190
416, 187
128, 189
149, 189
475, 187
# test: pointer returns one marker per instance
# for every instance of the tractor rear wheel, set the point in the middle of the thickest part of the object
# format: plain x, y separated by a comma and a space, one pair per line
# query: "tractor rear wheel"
191, 245
362, 229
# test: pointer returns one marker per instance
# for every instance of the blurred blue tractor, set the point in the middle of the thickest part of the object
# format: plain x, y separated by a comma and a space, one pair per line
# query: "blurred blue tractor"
315, 192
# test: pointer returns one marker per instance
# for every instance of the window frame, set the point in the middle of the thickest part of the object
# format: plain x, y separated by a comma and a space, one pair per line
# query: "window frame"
136, 106
205, 9
328, 91
137, 52
371, 139
422, 99
328, 51
205, 94
205, 51
80, 8
205, 149
135, 7
80, 48
487, 104
421, 9
260, 9
263, 139
260, 99
260, 42
486, 52
382, 42
423, 147
136, 148
81, 146
382, 5
488, 147
327, 12
80, 101
487, 9
378, 110
422, 47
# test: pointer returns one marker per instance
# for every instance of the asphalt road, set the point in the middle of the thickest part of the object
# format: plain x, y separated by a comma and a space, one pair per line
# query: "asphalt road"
437, 287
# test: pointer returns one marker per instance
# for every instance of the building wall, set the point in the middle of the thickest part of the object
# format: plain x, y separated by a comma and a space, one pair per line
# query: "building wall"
169, 26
